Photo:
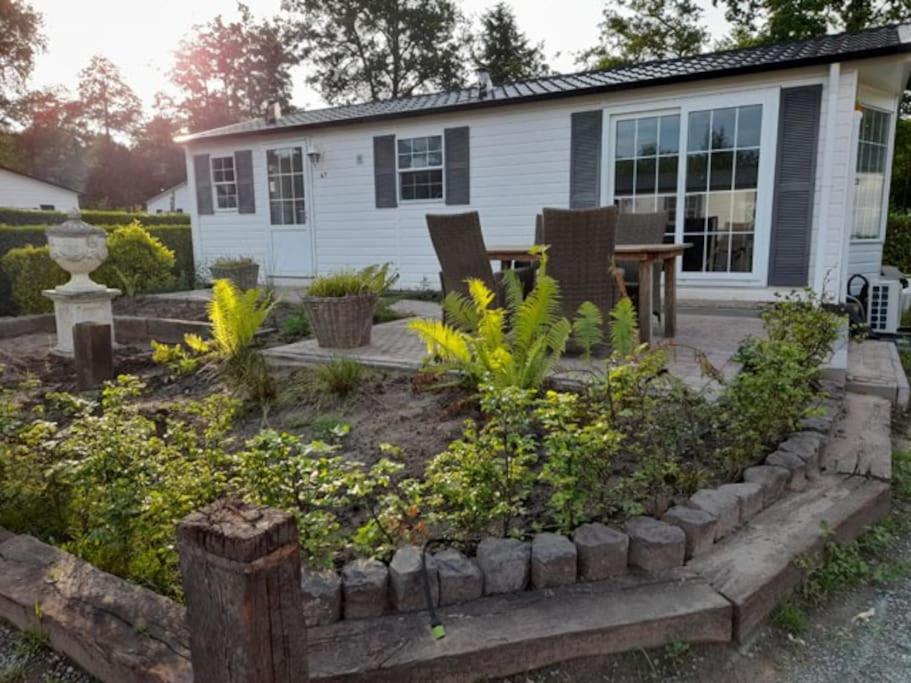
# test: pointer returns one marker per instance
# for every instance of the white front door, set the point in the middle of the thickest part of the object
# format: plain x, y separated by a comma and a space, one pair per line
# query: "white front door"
290, 227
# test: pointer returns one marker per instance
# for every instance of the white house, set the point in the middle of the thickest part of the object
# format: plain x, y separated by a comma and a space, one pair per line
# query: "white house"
773, 161
21, 191
175, 199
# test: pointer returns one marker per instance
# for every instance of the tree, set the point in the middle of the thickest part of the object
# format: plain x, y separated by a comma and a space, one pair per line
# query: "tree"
160, 162
111, 175
108, 104
376, 49
761, 21
505, 51
229, 70
641, 30
20, 41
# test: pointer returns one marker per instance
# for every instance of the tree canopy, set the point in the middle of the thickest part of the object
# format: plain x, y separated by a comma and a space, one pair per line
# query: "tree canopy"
109, 105
375, 49
640, 30
502, 49
21, 40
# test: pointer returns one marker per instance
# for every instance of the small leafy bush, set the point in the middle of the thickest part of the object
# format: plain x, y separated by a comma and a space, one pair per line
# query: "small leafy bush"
376, 280
30, 271
340, 376
137, 262
802, 319
179, 361
297, 325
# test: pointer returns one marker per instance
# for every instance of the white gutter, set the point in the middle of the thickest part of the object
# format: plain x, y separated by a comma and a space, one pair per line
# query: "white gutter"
820, 275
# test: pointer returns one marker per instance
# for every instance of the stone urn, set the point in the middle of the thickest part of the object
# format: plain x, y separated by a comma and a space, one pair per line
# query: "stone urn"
78, 248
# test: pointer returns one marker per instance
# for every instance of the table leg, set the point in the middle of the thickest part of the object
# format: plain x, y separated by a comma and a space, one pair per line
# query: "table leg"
645, 301
670, 297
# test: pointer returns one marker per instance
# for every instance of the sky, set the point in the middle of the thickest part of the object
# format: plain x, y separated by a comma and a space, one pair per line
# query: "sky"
140, 37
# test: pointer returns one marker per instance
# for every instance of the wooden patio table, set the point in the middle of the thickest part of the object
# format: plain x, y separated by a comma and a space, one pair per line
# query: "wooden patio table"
646, 255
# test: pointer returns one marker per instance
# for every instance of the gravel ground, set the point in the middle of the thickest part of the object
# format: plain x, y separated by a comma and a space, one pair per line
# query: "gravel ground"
25, 659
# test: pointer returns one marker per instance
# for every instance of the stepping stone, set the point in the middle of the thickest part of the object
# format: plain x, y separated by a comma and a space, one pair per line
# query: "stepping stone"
504, 563
654, 545
698, 525
808, 447
794, 464
553, 561
322, 591
364, 585
603, 552
460, 577
749, 495
772, 479
725, 506
406, 580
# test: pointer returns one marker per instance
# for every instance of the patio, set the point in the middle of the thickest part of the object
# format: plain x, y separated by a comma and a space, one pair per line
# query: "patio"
393, 346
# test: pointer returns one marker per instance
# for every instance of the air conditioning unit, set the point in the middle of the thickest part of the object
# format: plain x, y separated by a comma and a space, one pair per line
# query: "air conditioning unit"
884, 306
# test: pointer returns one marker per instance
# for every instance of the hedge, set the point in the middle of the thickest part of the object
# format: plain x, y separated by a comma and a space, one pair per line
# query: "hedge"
897, 249
176, 237
101, 218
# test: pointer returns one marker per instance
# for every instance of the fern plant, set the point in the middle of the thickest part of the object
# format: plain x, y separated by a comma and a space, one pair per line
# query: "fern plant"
515, 346
588, 328
624, 332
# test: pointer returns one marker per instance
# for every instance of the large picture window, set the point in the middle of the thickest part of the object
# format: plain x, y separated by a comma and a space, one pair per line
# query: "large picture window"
224, 183
646, 156
870, 188
420, 163
286, 186
722, 172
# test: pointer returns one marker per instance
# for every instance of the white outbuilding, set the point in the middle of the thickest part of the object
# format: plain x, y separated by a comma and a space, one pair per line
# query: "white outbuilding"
175, 199
21, 191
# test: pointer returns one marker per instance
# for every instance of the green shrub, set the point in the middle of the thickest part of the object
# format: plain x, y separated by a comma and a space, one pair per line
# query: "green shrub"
10, 216
340, 376
30, 270
297, 325
370, 280
897, 248
137, 263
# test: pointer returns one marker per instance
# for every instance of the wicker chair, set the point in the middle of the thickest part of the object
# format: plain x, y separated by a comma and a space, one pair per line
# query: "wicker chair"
459, 245
642, 228
581, 249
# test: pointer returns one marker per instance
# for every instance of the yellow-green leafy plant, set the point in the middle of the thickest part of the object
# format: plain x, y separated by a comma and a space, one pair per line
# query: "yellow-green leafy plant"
515, 346
137, 262
588, 328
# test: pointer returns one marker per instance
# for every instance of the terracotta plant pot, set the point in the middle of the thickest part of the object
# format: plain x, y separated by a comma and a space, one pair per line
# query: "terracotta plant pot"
244, 276
341, 322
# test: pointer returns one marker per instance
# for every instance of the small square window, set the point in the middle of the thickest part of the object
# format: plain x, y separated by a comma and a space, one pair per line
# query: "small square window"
420, 164
224, 183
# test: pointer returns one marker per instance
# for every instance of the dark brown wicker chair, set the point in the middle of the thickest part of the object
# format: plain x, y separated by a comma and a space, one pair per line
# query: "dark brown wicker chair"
580, 255
459, 244
642, 228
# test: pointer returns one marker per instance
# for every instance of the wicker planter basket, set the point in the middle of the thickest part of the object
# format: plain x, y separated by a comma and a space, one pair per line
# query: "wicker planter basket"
244, 277
341, 322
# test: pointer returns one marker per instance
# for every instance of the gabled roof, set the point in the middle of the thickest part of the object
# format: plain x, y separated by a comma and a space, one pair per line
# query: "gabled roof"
167, 190
874, 42
40, 180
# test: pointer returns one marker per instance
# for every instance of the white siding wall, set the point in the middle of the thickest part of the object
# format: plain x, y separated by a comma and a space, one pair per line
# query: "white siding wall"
175, 199
519, 163
19, 192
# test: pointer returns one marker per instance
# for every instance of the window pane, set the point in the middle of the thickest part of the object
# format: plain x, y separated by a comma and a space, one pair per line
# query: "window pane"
435, 143
645, 175
647, 137
644, 204
697, 137
869, 190
744, 211
435, 158
747, 170
275, 213
749, 124
723, 128
694, 213
626, 139
716, 256
741, 253
697, 172
623, 177
298, 160
669, 141
298, 185
285, 162
271, 162
719, 211
300, 214
419, 145
722, 174
693, 257
667, 174
404, 146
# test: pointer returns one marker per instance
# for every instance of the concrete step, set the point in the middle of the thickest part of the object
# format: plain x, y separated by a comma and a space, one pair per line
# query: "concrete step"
861, 441
874, 367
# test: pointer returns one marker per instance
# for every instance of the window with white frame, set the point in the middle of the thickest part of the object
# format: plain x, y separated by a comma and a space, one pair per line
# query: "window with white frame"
285, 168
870, 183
722, 181
420, 166
646, 156
224, 183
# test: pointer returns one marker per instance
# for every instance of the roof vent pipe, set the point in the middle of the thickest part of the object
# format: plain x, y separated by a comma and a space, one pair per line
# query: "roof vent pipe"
483, 81
273, 112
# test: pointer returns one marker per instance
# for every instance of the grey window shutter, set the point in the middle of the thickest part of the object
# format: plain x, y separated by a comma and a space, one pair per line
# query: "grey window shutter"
795, 176
585, 160
384, 179
243, 169
458, 173
203, 172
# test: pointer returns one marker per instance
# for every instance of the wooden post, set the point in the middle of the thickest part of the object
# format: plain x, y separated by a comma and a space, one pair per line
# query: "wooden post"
670, 297
93, 354
645, 300
242, 585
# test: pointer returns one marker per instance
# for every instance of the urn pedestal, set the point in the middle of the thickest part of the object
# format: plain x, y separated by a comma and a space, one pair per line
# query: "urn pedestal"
78, 248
